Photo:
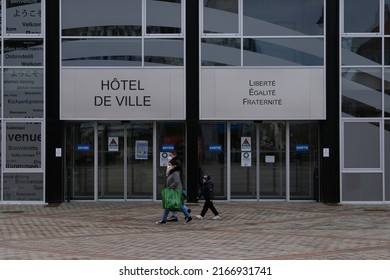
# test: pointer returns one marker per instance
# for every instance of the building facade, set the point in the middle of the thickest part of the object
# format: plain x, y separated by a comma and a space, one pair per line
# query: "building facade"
275, 100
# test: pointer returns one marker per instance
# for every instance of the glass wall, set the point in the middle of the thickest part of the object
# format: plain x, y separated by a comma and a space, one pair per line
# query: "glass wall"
364, 99
304, 157
22, 100
122, 39
170, 137
262, 33
213, 155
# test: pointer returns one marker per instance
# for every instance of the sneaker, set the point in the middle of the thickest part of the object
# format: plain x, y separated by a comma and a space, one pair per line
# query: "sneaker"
217, 217
161, 222
199, 217
172, 219
189, 219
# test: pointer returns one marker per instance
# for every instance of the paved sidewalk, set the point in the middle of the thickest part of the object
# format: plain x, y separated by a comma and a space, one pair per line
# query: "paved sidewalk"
248, 230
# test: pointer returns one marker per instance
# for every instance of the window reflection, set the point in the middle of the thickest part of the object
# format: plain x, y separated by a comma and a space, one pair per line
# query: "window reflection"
361, 16
283, 52
362, 51
387, 92
361, 92
220, 16
163, 17
96, 52
294, 17
365, 138
90, 18
221, 52
112, 30
164, 52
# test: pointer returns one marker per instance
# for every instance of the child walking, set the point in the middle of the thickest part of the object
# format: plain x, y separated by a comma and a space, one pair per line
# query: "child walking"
208, 193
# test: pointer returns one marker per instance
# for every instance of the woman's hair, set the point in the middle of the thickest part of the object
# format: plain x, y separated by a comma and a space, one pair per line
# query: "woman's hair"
175, 162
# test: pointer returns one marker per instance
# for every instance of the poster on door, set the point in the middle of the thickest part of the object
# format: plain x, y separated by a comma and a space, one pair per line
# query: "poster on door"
141, 149
246, 144
113, 144
164, 159
246, 159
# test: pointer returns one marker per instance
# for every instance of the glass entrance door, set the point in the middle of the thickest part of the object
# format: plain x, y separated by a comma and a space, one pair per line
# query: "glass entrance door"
258, 160
272, 150
125, 160
139, 160
243, 168
111, 157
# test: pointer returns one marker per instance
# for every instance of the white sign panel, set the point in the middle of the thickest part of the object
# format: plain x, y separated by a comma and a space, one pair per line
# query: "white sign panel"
122, 94
262, 94
246, 144
164, 158
269, 159
113, 144
246, 159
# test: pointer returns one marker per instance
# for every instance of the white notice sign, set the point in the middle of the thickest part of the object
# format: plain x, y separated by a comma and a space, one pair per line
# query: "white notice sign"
113, 144
246, 159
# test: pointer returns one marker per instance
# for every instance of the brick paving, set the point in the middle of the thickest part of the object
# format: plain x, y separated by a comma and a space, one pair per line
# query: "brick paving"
248, 230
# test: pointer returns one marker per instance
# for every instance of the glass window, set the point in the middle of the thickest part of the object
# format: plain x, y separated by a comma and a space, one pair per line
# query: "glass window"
23, 17
362, 145
361, 51
220, 16
23, 93
362, 187
90, 18
387, 51
387, 17
1, 98
163, 17
221, 52
23, 141
387, 160
280, 17
387, 93
102, 52
162, 52
23, 187
361, 16
361, 92
23, 52
1, 21
283, 52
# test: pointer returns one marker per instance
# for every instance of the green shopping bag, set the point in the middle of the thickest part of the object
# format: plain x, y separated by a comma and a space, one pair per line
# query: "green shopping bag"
171, 198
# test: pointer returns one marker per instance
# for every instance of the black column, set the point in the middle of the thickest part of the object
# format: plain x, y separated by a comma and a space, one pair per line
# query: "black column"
330, 166
192, 97
54, 128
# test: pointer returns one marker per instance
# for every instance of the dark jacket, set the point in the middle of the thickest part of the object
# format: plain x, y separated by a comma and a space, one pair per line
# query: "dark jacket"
207, 190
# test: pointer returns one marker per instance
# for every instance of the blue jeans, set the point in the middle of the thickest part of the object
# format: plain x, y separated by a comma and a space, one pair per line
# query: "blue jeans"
183, 209
174, 213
